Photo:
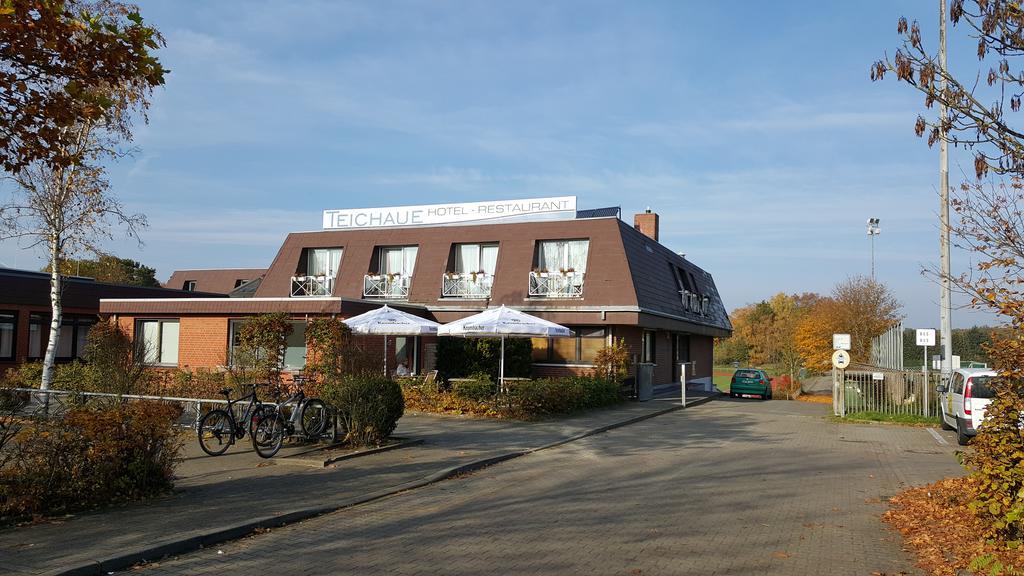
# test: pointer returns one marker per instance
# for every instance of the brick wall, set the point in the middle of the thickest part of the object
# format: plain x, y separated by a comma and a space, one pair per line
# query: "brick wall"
203, 342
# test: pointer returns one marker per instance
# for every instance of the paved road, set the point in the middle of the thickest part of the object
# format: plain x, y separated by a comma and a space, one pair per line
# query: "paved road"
734, 487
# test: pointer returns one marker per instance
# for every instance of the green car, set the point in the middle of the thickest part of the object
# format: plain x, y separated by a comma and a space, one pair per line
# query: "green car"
751, 381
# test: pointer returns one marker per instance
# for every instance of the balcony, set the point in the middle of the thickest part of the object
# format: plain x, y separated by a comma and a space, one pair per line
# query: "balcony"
310, 286
389, 286
466, 285
556, 284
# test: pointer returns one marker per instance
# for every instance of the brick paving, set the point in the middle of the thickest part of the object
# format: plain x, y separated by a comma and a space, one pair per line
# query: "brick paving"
734, 487
213, 493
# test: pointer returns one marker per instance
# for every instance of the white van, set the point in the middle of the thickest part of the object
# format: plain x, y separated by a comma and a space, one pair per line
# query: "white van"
964, 400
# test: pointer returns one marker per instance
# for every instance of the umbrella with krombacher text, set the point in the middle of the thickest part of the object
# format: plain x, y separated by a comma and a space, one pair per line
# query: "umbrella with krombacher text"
386, 321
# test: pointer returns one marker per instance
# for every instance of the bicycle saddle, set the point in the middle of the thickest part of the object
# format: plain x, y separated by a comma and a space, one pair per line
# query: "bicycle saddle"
225, 391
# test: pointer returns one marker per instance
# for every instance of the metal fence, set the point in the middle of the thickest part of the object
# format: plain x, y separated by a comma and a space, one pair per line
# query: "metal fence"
873, 389
887, 348
54, 403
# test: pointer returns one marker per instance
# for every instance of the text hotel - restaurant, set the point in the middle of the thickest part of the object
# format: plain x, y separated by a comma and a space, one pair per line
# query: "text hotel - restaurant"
585, 269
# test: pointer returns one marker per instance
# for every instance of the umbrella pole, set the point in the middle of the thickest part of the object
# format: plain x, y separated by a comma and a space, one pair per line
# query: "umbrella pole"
501, 365
385, 355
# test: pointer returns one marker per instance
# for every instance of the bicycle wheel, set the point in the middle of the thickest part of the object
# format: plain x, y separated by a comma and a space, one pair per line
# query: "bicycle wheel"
257, 413
268, 435
314, 418
216, 432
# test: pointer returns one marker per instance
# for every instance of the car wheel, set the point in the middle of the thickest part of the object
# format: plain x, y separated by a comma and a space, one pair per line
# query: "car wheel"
961, 438
768, 394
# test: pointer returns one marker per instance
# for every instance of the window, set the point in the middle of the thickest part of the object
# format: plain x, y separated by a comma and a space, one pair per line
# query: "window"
35, 335
647, 354
190, 286
580, 349
8, 325
399, 260
239, 282
467, 258
295, 344
405, 353
159, 341
320, 262
562, 255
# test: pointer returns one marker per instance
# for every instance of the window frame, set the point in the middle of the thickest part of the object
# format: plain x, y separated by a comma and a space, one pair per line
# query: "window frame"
578, 338
233, 323
14, 335
141, 341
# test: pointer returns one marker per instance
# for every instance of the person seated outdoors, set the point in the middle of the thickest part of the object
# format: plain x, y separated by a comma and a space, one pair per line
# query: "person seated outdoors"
401, 370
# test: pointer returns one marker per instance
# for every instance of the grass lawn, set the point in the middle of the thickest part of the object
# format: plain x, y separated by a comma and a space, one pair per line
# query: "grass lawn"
722, 377
904, 419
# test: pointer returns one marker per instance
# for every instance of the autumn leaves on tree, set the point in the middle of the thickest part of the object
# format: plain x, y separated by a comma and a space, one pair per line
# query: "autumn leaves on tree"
794, 331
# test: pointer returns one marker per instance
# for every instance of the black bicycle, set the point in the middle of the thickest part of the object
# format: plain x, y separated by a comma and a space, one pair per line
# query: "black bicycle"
218, 429
297, 417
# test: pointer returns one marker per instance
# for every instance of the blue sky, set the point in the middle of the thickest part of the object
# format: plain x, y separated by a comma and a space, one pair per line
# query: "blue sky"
752, 128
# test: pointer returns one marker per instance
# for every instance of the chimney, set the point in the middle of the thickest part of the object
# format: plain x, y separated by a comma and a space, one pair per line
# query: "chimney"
647, 223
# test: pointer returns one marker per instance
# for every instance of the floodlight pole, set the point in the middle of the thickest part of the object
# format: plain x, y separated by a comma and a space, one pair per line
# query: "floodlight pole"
945, 297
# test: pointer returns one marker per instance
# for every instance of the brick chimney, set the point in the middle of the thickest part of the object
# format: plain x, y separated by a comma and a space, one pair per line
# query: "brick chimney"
647, 223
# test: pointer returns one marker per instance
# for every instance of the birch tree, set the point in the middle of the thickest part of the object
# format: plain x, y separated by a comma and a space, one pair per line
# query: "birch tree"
73, 75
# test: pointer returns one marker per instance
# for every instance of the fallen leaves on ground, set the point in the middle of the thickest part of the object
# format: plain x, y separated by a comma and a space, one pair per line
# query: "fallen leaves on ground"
944, 533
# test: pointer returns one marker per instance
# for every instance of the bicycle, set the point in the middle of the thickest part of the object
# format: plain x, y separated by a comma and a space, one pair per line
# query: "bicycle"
218, 429
307, 419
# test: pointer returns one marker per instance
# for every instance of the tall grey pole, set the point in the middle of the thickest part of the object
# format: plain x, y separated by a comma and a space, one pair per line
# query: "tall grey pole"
945, 306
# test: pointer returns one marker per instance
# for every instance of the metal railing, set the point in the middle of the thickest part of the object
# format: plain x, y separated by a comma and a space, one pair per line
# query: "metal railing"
466, 285
390, 286
873, 389
306, 286
54, 403
556, 284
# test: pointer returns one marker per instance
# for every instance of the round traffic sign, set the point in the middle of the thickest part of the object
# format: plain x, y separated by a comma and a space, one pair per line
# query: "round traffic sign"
841, 359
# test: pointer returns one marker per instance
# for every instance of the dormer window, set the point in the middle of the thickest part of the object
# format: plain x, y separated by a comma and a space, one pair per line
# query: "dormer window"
189, 286
559, 268
392, 276
470, 271
316, 271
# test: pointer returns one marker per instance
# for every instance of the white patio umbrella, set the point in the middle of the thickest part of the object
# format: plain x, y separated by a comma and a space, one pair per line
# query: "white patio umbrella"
504, 322
386, 321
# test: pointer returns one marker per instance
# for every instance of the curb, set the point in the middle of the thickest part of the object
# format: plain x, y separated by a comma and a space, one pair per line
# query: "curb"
304, 458
243, 529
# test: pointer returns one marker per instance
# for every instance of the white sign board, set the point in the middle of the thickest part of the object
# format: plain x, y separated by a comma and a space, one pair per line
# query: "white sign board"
840, 341
926, 337
436, 214
841, 359
877, 376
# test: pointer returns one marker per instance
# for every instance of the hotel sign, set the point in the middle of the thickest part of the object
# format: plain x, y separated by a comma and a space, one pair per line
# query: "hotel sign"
435, 214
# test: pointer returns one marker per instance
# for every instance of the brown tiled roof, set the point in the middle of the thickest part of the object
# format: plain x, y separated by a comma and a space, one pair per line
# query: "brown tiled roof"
214, 280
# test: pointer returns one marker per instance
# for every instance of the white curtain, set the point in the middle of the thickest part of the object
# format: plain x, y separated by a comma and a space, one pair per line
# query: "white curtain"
323, 262
64, 345
488, 258
409, 252
550, 257
391, 261
7, 339
467, 258
168, 342
577, 255
151, 340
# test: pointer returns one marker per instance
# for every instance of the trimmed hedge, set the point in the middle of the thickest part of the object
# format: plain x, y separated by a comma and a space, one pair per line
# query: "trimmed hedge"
368, 407
524, 399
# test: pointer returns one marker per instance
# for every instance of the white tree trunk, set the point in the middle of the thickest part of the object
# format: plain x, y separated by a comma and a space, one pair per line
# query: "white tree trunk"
55, 317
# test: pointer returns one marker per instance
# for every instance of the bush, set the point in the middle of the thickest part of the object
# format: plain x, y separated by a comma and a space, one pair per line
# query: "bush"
561, 395
368, 407
613, 361
90, 458
479, 389
464, 357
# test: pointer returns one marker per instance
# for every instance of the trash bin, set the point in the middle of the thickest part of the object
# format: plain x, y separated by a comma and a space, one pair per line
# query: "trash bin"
644, 381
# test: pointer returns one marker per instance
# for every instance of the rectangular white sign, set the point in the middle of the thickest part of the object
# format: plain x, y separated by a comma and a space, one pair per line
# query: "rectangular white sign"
926, 337
840, 341
435, 214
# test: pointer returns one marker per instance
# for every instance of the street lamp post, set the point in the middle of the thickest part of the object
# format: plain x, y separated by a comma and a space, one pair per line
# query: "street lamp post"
873, 230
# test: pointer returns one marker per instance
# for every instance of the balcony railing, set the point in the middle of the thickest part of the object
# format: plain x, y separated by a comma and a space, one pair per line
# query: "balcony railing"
391, 286
466, 285
307, 286
556, 284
